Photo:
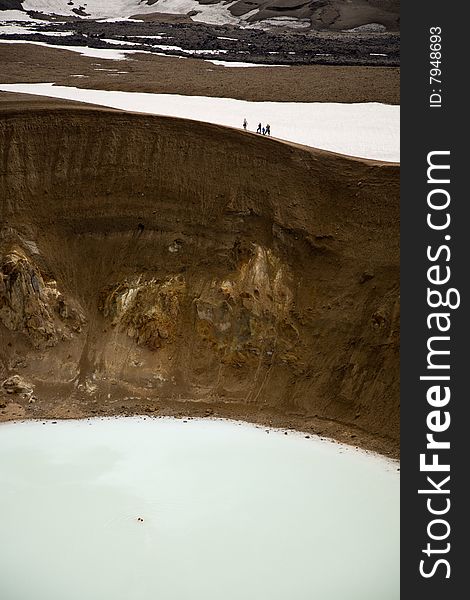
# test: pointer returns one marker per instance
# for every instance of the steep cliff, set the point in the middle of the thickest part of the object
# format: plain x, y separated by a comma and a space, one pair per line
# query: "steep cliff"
147, 261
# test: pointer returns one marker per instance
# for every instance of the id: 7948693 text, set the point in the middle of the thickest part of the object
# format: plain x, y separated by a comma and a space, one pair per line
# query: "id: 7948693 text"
435, 70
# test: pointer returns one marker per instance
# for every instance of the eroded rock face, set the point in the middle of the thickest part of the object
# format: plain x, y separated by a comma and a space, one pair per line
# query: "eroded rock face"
17, 385
240, 319
247, 317
148, 311
33, 306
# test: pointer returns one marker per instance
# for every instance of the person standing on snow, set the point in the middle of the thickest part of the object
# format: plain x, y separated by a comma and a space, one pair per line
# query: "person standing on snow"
245, 124
268, 129
259, 128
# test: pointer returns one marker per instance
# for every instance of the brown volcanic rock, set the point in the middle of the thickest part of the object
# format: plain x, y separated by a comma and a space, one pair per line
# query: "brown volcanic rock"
212, 266
31, 306
16, 385
147, 310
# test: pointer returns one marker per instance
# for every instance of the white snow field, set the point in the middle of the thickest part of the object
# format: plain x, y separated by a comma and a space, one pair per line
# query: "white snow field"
15, 22
14, 29
292, 22
119, 42
8, 16
234, 64
123, 9
173, 509
216, 14
368, 130
102, 53
97, 9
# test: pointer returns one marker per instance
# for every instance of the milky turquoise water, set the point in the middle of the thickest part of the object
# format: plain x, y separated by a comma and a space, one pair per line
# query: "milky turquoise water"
229, 512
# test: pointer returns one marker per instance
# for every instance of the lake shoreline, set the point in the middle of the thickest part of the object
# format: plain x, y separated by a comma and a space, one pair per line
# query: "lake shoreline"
313, 425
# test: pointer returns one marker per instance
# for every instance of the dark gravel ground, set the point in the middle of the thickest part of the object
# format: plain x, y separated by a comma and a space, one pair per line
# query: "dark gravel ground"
253, 45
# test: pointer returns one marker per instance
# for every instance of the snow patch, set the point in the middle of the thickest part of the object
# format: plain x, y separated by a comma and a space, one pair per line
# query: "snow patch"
14, 30
121, 10
291, 22
105, 54
7, 16
112, 11
54, 33
118, 20
96, 9
120, 42
227, 63
368, 130
215, 14
148, 37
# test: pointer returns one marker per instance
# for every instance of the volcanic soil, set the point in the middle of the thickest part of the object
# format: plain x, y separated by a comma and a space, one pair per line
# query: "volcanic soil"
25, 63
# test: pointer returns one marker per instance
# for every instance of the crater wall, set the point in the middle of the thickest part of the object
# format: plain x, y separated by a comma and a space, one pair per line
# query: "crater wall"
161, 259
